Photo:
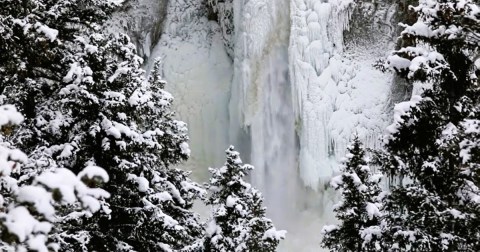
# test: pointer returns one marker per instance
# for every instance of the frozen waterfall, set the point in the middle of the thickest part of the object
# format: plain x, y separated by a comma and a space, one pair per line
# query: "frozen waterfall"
290, 96
299, 122
261, 103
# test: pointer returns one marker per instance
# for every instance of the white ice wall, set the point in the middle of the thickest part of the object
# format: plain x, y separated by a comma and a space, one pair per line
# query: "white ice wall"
198, 73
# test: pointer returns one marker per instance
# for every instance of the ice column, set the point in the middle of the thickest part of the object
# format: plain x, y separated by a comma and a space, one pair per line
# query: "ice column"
315, 41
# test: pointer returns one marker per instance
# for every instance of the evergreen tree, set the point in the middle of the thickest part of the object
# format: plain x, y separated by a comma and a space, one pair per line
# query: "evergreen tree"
435, 208
238, 221
115, 118
26, 219
359, 209
36, 36
87, 102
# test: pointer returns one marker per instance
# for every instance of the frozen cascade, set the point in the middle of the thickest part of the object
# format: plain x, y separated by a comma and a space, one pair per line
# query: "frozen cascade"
290, 100
262, 119
329, 93
261, 102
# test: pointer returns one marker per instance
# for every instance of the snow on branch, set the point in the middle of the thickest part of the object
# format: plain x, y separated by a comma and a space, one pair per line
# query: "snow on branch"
27, 219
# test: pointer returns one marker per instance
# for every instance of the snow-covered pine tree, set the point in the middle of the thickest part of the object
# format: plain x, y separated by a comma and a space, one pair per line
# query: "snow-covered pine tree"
238, 221
436, 206
26, 219
87, 102
359, 209
36, 35
115, 118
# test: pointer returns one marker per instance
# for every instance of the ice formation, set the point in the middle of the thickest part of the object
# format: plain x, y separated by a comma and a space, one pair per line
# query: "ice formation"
336, 94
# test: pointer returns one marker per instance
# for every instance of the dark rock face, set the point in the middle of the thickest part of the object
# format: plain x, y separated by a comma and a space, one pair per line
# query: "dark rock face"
222, 12
374, 25
143, 21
